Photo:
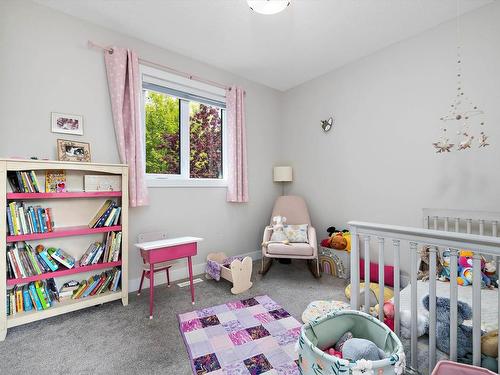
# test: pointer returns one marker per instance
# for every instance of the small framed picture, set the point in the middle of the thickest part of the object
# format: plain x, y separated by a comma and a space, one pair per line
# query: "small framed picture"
73, 151
67, 124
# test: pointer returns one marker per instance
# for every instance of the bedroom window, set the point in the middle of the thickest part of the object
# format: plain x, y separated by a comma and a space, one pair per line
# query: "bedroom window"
185, 131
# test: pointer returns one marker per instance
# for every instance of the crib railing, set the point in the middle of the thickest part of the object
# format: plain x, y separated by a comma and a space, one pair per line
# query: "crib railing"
398, 237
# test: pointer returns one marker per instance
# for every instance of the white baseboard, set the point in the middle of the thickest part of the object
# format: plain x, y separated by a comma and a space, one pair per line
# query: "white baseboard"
179, 272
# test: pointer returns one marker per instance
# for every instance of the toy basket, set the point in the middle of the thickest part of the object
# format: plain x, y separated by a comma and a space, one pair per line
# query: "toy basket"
325, 331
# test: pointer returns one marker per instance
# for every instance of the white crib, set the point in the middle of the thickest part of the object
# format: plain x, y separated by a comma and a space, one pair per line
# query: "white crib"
453, 229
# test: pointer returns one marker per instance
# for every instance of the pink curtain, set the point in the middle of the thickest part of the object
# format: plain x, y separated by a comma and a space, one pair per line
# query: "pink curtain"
122, 67
237, 190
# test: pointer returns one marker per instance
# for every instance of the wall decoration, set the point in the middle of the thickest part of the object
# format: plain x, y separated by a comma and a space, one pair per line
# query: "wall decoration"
463, 112
326, 125
73, 151
67, 124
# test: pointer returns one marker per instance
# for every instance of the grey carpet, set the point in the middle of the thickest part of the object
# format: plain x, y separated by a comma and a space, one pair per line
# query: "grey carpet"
113, 339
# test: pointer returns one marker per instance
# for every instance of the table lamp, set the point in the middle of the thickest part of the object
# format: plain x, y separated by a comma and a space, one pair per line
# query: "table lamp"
283, 174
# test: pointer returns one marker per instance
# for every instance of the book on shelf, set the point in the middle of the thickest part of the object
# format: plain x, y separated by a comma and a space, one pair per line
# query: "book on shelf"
108, 215
99, 283
23, 219
103, 252
23, 261
24, 182
55, 181
68, 288
37, 295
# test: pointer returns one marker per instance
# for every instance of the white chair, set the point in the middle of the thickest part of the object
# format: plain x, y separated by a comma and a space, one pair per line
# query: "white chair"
165, 266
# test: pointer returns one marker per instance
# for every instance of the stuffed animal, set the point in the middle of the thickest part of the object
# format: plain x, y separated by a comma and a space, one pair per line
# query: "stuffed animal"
464, 333
445, 273
388, 309
405, 324
278, 228
338, 242
355, 349
465, 263
489, 344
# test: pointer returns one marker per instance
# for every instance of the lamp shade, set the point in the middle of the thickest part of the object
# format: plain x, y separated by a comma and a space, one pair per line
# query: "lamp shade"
283, 174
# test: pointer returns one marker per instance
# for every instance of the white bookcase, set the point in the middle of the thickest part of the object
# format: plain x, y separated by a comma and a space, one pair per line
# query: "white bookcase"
71, 213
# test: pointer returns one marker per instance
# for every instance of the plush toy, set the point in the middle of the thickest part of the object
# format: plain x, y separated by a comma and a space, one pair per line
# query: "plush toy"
489, 344
464, 333
355, 349
445, 273
278, 228
465, 263
405, 324
388, 309
338, 242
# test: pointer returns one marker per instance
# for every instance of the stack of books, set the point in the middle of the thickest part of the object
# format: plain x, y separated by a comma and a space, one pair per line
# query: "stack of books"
37, 295
107, 216
23, 182
24, 219
98, 284
25, 262
103, 252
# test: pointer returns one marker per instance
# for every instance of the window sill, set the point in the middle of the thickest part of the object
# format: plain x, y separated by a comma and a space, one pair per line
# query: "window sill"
156, 182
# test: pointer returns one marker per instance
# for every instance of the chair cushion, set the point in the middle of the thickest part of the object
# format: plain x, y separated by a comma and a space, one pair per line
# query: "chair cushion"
300, 249
296, 233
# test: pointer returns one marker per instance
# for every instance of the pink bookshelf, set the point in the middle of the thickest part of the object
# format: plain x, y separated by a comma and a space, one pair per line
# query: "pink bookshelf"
65, 272
63, 232
79, 194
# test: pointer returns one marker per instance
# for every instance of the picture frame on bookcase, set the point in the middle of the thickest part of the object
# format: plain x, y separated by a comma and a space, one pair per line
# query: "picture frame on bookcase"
68, 150
66, 123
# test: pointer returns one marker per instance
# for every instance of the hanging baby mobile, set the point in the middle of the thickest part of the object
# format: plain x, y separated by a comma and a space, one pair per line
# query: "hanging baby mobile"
464, 113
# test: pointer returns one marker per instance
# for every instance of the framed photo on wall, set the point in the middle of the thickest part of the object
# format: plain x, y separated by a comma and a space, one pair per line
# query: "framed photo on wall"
67, 124
73, 151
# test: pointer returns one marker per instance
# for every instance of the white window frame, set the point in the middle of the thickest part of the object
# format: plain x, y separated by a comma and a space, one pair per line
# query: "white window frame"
173, 81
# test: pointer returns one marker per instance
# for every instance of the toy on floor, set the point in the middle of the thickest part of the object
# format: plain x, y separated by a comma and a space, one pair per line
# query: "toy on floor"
464, 333
237, 270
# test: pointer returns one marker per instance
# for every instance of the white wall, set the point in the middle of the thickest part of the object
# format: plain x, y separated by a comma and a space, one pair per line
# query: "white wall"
378, 163
45, 66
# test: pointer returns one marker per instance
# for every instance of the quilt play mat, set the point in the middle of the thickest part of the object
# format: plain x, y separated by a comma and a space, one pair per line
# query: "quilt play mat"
251, 336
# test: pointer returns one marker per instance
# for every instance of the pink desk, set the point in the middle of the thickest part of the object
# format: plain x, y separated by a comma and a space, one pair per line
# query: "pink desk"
165, 250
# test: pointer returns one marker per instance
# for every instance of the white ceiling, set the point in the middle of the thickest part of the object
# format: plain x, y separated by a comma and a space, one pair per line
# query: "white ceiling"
310, 38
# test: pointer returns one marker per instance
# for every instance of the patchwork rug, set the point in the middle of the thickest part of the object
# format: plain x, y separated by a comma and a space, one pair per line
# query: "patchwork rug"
251, 336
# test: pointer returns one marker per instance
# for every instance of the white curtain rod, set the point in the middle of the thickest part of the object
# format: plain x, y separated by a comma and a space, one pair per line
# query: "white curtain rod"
91, 44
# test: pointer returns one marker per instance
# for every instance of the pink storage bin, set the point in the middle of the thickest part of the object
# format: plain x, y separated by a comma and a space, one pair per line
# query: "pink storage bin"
453, 368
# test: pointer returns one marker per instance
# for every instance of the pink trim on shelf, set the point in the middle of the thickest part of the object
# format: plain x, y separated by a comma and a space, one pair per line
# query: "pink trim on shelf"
63, 232
65, 272
78, 194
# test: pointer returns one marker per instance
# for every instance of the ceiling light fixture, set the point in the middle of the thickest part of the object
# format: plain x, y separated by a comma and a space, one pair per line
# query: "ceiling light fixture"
268, 6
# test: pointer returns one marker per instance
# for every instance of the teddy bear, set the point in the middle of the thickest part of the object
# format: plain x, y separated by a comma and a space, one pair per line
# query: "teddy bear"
464, 333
